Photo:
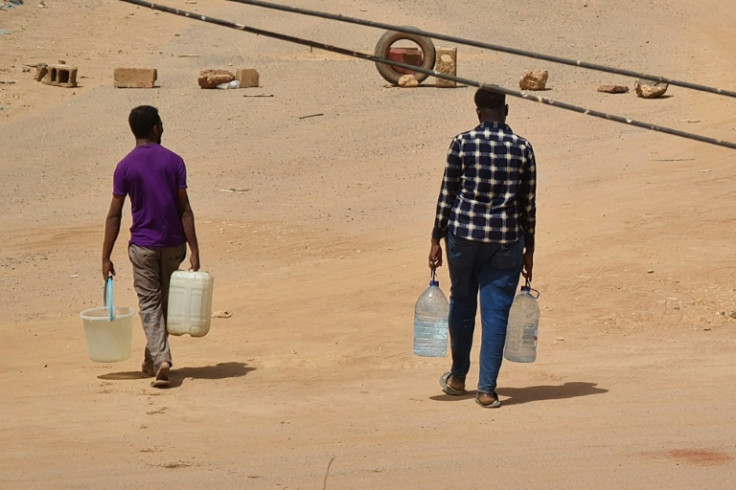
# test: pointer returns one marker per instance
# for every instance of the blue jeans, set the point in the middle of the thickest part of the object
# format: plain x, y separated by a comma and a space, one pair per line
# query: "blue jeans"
493, 270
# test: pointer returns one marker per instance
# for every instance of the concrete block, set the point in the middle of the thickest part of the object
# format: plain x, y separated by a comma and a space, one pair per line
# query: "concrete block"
248, 77
135, 77
446, 62
61, 76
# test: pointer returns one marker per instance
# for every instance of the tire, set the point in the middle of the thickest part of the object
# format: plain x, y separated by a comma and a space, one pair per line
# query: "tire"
388, 72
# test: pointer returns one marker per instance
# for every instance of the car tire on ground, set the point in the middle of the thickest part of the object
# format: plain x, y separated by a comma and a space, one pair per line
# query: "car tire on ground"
384, 44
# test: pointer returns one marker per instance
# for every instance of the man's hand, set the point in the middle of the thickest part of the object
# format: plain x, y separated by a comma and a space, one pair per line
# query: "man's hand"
194, 261
435, 255
527, 264
108, 269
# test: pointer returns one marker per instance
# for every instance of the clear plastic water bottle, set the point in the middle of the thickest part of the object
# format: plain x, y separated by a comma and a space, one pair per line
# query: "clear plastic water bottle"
430, 321
523, 326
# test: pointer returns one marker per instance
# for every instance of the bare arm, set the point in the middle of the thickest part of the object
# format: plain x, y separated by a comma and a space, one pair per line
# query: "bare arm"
112, 229
187, 220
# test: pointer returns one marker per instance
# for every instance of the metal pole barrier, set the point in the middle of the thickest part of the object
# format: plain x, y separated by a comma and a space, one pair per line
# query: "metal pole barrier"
465, 81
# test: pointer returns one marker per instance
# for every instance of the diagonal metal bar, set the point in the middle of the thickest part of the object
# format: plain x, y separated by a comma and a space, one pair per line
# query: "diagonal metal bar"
493, 47
465, 81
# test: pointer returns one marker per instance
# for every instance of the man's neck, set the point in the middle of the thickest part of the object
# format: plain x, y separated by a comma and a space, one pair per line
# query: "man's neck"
493, 120
145, 141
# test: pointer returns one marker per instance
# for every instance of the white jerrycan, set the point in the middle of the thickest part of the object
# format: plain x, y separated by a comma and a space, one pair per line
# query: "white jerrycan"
190, 303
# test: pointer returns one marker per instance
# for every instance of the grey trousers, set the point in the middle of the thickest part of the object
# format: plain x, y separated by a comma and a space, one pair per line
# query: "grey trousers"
152, 269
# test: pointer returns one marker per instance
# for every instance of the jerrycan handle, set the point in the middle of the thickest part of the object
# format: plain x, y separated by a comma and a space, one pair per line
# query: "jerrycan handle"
528, 288
107, 298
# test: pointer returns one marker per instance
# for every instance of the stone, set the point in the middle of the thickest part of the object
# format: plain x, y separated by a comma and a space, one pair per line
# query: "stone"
648, 89
534, 80
613, 89
213, 78
408, 81
248, 77
446, 63
134, 77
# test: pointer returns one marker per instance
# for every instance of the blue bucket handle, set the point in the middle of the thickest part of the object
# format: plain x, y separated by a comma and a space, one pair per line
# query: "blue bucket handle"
107, 298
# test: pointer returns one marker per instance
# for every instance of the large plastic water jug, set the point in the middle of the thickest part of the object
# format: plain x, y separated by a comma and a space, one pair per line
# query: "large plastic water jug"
430, 321
523, 326
190, 303
108, 330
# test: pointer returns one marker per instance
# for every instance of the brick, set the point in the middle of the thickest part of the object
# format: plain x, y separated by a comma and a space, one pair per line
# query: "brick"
410, 56
61, 76
248, 77
446, 62
135, 77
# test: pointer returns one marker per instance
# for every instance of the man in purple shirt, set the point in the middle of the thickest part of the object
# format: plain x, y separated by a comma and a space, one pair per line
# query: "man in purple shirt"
155, 178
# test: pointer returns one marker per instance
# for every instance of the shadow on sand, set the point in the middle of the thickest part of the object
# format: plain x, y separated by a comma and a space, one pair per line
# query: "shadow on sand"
517, 396
218, 371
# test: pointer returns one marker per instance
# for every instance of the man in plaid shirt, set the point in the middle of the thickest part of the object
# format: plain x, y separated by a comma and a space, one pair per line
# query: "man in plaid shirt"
486, 212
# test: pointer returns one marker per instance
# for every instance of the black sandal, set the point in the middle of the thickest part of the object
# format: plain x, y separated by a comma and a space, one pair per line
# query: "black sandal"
445, 384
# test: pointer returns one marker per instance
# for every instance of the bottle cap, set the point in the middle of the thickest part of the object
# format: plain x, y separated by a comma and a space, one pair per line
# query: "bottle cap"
434, 283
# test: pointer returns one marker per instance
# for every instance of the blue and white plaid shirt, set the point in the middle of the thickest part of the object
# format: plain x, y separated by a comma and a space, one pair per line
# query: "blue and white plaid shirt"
489, 187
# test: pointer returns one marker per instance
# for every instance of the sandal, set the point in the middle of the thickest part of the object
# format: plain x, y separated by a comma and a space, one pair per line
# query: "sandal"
448, 388
487, 400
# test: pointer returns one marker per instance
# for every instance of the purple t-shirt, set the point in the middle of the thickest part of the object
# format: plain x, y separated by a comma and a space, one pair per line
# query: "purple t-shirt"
152, 176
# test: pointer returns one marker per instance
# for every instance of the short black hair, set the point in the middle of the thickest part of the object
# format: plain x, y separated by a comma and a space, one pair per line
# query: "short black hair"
486, 98
142, 119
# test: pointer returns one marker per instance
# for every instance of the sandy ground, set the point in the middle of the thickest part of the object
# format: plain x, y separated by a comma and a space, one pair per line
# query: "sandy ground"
317, 229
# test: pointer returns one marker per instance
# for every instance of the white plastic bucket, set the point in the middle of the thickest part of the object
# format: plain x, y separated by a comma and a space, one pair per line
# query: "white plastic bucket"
108, 341
190, 303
